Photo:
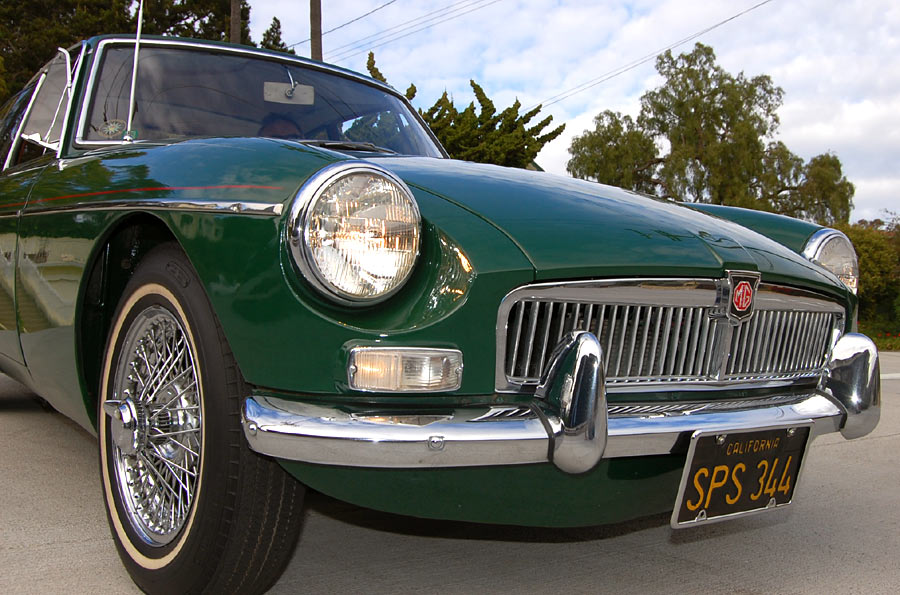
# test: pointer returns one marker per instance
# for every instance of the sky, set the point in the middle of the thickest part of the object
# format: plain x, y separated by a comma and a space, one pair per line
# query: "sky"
837, 62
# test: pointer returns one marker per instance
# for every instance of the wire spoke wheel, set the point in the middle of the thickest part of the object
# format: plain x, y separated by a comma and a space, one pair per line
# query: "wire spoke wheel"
191, 507
156, 426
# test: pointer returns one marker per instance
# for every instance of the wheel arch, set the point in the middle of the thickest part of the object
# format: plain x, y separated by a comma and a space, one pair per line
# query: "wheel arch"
107, 272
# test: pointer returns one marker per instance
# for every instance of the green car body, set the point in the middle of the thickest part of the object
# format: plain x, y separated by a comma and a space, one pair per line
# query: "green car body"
75, 223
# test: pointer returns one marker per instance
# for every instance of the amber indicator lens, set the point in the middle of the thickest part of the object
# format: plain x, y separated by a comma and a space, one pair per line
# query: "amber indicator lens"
734, 473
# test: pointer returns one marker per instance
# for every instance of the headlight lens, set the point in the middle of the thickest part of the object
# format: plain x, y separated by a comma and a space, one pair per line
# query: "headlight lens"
833, 251
355, 233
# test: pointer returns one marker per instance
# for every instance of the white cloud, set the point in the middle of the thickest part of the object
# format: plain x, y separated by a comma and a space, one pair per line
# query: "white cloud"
835, 62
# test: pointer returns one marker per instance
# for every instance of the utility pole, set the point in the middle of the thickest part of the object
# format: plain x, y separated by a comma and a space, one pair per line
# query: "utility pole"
235, 21
315, 29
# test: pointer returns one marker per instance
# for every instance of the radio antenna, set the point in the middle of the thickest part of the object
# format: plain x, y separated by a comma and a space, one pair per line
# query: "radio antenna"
129, 133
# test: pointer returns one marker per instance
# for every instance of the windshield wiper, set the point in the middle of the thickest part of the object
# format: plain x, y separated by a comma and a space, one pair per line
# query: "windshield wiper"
348, 145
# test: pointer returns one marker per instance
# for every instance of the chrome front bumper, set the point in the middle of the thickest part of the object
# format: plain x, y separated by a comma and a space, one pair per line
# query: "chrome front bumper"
567, 424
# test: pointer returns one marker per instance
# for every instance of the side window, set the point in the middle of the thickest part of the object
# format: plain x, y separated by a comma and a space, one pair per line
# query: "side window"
43, 128
10, 118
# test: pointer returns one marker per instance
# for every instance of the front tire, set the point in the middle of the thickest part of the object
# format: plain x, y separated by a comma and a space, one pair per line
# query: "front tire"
191, 507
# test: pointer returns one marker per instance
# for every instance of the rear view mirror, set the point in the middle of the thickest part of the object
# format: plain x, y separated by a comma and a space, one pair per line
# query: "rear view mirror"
286, 93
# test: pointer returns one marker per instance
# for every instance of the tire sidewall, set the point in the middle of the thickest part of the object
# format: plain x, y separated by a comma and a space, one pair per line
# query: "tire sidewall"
165, 278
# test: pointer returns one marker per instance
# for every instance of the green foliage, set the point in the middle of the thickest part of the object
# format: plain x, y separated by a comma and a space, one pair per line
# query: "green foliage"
373, 70
719, 131
4, 92
483, 135
201, 19
619, 153
271, 39
31, 31
877, 245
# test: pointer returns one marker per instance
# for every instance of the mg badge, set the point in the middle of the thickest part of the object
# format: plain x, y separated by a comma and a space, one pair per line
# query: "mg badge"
734, 299
743, 296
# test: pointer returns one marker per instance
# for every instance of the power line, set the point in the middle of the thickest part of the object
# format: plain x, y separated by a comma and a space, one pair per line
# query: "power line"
632, 65
445, 9
350, 22
418, 24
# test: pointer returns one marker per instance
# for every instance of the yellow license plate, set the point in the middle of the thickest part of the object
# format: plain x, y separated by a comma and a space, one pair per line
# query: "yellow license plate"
739, 472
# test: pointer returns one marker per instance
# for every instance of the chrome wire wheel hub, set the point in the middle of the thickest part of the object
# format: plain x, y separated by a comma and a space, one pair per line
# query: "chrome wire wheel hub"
155, 424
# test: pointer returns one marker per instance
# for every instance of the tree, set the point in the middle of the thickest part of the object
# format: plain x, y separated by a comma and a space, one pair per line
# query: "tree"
271, 39
506, 138
620, 153
877, 245
31, 31
201, 19
4, 92
719, 131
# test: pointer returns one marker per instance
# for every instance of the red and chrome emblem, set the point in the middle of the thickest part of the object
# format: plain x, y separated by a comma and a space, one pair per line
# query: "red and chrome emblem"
742, 298
735, 296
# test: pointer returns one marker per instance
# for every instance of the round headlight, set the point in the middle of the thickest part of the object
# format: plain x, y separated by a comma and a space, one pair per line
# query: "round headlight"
833, 251
355, 232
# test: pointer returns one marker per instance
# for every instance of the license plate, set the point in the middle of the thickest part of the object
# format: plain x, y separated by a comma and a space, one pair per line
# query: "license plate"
739, 472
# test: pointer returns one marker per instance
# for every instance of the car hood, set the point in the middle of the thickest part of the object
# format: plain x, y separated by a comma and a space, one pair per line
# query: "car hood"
571, 228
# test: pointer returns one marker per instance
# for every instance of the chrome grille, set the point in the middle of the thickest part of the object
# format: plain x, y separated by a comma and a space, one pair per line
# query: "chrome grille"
656, 332
777, 343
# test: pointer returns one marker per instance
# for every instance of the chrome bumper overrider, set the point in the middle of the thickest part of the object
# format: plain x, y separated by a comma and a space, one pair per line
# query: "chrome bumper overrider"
567, 423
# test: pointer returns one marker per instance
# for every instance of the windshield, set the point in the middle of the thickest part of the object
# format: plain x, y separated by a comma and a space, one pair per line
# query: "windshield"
184, 92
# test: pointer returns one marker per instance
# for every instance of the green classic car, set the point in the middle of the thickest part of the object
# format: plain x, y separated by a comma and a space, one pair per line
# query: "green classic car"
247, 273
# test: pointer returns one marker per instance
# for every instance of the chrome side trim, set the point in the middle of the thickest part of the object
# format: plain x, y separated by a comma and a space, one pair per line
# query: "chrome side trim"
164, 204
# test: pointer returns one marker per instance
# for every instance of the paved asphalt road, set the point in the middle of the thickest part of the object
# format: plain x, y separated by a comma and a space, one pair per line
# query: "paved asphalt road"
842, 535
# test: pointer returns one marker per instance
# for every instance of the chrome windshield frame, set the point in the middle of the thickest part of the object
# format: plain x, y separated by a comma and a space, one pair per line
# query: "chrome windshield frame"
80, 142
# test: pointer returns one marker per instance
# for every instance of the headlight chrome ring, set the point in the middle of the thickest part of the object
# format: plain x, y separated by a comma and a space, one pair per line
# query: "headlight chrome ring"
355, 233
833, 251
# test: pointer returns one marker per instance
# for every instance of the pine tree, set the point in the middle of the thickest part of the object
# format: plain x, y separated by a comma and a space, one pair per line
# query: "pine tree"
483, 135
271, 39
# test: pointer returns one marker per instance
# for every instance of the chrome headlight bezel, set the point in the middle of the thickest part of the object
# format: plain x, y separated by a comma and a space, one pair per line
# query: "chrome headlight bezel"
814, 251
298, 231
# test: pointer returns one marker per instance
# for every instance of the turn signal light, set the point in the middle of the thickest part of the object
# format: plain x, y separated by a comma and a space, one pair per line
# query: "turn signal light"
404, 369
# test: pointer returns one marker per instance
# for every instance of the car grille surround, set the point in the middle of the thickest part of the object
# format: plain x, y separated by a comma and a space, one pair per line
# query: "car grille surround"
667, 334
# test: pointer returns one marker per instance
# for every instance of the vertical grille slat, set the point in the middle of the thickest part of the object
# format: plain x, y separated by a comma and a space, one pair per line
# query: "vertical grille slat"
667, 330
518, 312
529, 342
702, 367
802, 321
548, 322
643, 354
686, 336
620, 347
659, 315
754, 337
678, 315
636, 323
646, 343
765, 337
